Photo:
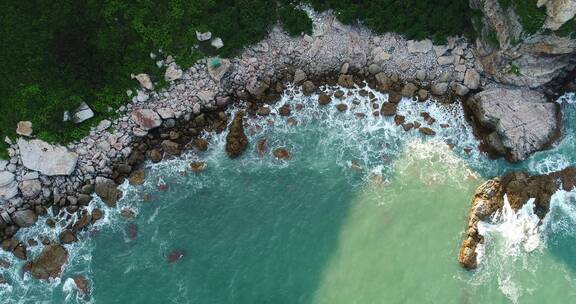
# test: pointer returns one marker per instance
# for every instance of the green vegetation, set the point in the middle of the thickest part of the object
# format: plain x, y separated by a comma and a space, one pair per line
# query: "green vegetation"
294, 20
417, 19
531, 17
514, 69
58, 53
568, 29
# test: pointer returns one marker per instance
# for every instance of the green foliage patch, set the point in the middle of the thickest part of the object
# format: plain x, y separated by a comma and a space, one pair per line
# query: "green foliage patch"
531, 17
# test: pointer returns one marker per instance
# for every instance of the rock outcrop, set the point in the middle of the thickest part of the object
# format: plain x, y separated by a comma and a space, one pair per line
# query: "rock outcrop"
516, 122
108, 191
519, 187
45, 158
236, 140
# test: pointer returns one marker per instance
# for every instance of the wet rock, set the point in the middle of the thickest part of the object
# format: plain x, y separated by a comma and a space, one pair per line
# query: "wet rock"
197, 166
137, 177
427, 131
346, 81
324, 99
97, 215
263, 111
281, 153
261, 146
201, 144
82, 223
127, 213
388, 109
24, 218
155, 155
175, 256
171, 147
308, 88
342, 107
67, 237
48, 159
284, 110
108, 191
236, 140
49, 263
394, 97
408, 126
409, 90
299, 76
399, 119
82, 285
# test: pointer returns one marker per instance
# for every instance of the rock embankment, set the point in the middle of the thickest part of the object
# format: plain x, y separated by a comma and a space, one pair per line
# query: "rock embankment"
518, 187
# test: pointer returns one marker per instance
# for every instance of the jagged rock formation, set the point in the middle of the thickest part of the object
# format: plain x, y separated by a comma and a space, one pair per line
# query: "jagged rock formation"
236, 140
519, 187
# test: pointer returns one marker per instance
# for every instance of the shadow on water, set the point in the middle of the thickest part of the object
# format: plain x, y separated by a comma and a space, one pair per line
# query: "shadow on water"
249, 236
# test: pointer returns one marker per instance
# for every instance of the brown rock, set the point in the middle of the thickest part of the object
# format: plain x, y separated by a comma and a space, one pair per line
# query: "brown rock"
346, 81
201, 144
97, 215
137, 177
342, 107
236, 140
171, 147
324, 99
284, 110
281, 153
394, 97
408, 126
108, 191
175, 256
84, 221
399, 119
339, 94
82, 285
263, 111
197, 166
67, 237
155, 155
388, 109
261, 147
127, 213
49, 263
427, 131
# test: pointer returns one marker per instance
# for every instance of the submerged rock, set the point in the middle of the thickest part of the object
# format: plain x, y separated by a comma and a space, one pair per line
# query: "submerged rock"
236, 140
49, 263
281, 153
175, 256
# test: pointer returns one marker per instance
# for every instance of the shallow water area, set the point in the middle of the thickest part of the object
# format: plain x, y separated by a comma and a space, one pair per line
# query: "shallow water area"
363, 212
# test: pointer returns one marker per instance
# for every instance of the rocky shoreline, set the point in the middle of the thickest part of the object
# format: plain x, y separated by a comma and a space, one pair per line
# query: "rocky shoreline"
42, 178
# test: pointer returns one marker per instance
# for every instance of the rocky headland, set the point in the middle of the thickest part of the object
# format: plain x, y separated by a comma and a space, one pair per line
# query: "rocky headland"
513, 115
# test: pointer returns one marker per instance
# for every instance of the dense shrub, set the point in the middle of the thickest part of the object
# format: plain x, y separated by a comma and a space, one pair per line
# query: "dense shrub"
417, 19
294, 20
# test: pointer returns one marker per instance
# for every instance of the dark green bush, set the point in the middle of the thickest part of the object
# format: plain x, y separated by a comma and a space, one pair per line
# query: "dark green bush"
294, 20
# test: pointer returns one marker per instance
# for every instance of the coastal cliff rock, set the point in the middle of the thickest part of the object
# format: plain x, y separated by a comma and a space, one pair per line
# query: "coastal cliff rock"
523, 44
519, 187
45, 158
516, 122
108, 191
236, 140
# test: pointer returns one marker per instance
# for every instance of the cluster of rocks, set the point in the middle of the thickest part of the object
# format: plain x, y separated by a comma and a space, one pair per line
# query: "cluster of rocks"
518, 187
42, 178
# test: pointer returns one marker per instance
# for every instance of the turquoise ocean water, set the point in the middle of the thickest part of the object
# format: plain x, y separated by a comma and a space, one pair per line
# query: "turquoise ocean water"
363, 212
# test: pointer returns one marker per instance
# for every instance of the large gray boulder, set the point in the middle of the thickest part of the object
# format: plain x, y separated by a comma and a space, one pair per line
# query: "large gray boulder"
45, 158
8, 185
24, 218
517, 122
30, 188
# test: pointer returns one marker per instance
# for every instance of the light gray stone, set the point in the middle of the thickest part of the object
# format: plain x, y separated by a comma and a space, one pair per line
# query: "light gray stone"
30, 188
45, 158
217, 43
24, 128
217, 68
472, 79
173, 72
423, 46
83, 113
299, 76
144, 81
439, 88
8, 185
523, 120
203, 36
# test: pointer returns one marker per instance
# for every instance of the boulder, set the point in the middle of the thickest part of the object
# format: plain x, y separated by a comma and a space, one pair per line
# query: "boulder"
409, 90
30, 188
24, 218
108, 191
24, 128
49, 263
281, 153
299, 76
324, 99
82, 285
197, 166
217, 43
439, 88
83, 113
423, 46
48, 159
8, 185
146, 119
257, 87
217, 68
236, 140
201, 144
203, 36
67, 237
427, 131
523, 121
145, 81
472, 79
346, 81
284, 110
173, 72
171, 147
388, 109
137, 177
